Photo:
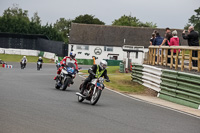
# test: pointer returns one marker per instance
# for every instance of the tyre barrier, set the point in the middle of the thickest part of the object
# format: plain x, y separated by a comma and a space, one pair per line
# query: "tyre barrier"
178, 87
7, 66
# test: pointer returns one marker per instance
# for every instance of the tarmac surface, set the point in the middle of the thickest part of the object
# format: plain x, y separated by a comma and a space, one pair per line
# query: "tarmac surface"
29, 103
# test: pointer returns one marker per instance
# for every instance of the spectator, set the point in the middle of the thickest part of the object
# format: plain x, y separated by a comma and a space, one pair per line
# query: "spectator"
174, 41
157, 42
153, 36
168, 36
193, 40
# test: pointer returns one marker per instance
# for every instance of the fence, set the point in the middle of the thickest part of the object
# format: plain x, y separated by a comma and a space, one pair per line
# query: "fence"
178, 87
32, 42
166, 59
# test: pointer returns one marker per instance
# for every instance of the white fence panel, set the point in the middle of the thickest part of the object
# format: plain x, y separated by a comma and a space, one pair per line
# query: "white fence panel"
2, 50
49, 55
151, 69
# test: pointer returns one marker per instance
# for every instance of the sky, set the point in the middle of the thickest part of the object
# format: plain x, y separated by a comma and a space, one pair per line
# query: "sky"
165, 13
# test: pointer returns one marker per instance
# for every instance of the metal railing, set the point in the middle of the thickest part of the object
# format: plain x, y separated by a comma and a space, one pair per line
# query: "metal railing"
162, 58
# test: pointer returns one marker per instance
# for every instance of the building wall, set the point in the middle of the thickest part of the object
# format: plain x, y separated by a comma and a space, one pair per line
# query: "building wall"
88, 54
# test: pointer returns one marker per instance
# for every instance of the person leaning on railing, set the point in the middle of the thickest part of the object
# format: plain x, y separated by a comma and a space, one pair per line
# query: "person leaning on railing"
174, 41
193, 40
168, 36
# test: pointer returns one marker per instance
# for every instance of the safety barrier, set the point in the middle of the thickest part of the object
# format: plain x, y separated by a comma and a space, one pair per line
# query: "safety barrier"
7, 66
121, 67
182, 88
178, 87
27, 52
148, 76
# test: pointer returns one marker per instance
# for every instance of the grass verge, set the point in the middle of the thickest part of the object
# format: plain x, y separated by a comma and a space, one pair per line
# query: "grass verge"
17, 58
121, 81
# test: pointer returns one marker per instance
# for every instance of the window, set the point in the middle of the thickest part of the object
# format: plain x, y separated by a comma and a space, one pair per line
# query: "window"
108, 48
82, 47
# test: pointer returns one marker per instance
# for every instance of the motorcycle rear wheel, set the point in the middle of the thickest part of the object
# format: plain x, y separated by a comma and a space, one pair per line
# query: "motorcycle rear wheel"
81, 99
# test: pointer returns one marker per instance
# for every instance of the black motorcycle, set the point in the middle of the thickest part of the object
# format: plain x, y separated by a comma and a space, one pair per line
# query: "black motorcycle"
66, 76
39, 65
92, 92
23, 64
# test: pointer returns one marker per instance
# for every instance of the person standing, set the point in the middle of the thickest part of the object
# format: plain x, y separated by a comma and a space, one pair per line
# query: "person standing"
193, 40
157, 42
168, 36
153, 36
174, 41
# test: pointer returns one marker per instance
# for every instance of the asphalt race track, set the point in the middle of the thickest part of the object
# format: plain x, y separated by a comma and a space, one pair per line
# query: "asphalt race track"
29, 103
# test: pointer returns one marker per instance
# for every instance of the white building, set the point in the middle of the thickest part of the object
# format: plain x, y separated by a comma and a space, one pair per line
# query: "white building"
106, 42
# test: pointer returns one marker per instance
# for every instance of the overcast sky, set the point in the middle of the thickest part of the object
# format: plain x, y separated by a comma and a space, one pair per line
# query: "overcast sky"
165, 13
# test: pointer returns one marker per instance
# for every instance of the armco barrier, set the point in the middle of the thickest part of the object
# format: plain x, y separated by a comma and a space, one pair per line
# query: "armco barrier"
181, 88
148, 76
178, 87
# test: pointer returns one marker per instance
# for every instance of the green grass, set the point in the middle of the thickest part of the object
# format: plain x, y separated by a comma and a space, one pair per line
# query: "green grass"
121, 81
17, 58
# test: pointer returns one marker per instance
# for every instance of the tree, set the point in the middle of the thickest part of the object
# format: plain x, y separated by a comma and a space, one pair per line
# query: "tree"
14, 20
36, 19
87, 19
63, 26
194, 20
132, 21
126, 21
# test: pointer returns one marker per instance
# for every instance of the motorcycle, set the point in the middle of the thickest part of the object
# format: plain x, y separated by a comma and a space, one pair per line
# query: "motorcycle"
66, 76
92, 92
39, 65
22, 64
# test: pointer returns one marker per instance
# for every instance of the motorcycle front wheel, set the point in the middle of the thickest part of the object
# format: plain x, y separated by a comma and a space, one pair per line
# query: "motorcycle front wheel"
66, 83
95, 96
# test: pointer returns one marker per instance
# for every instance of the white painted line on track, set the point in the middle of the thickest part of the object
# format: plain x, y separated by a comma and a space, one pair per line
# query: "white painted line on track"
137, 99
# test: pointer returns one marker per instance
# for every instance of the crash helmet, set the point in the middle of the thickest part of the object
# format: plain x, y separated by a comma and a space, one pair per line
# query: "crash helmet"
40, 57
103, 64
24, 57
72, 54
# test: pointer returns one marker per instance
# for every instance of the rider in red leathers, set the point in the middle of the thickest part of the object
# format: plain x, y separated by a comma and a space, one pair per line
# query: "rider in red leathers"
65, 60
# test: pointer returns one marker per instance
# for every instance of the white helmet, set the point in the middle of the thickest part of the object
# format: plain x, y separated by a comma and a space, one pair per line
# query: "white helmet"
103, 64
40, 57
72, 54
24, 57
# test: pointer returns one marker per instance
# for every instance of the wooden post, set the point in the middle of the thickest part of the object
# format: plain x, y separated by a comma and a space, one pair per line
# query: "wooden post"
154, 55
198, 60
151, 56
190, 60
162, 56
176, 63
158, 56
182, 59
149, 59
171, 63
166, 56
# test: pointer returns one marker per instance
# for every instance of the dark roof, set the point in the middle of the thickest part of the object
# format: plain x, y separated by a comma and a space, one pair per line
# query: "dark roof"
91, 34
16, 35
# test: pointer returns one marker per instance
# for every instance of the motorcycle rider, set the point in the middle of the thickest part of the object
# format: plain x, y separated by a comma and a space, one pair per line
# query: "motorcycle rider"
40, 60
65, 60
25, 61
97, 71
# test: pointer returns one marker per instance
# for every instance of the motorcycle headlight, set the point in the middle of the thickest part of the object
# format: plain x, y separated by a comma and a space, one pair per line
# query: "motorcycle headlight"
64, 71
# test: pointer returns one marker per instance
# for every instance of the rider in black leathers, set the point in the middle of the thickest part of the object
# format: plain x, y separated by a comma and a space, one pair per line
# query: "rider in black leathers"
40, 60
97, 71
